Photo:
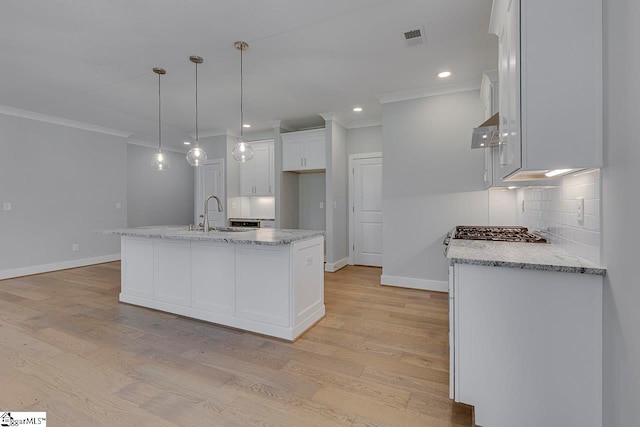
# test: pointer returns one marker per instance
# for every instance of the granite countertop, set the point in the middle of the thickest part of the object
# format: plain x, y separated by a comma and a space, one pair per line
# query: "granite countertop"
255, 236
530, 256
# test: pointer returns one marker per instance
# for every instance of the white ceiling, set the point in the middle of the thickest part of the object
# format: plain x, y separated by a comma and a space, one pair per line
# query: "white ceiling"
91, 61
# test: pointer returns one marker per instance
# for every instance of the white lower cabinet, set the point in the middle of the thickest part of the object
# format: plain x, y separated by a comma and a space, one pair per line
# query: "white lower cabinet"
213, 277
276, 290
172, 278
268, 266
528, 346
137, 267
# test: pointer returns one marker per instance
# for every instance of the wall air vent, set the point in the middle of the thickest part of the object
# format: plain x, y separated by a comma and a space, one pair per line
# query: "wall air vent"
414, 37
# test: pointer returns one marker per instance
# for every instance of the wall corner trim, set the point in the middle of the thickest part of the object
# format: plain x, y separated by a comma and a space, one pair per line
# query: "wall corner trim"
63, 265
414, 283
10, 111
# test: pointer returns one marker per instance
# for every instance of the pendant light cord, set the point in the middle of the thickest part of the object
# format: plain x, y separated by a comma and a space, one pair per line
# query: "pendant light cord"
196, 103
159, 116
241, 96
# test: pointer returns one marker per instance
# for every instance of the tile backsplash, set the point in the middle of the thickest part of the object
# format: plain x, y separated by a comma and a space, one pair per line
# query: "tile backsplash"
554, 211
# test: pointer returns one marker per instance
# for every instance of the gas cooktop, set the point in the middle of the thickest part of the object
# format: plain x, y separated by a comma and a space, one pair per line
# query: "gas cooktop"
496, 233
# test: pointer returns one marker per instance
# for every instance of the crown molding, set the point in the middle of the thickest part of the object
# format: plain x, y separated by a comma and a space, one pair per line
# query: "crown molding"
10, 111
386, 98
332, 117
365, 123
283, 125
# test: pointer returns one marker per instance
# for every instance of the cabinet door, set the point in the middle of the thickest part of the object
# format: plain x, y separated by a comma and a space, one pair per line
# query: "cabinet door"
172, 282
137, 267
292, 154
314, 151
272, 171
213, 277
261, 167
247, 178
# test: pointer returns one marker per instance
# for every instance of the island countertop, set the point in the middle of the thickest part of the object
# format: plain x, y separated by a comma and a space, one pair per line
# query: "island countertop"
530, 256
258, 236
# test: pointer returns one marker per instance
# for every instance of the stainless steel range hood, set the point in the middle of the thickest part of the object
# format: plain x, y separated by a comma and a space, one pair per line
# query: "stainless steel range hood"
487, 135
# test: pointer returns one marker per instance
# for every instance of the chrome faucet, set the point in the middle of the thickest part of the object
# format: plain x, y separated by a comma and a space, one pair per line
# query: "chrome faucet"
205, 225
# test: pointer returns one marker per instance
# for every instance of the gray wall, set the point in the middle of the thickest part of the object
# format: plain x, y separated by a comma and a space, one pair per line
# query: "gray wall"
432, 181
364, 140
158, 198
621, 175
63, 183
312, 193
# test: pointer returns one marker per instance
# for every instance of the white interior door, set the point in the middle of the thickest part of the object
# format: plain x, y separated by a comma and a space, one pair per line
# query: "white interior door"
210, 180
367, 211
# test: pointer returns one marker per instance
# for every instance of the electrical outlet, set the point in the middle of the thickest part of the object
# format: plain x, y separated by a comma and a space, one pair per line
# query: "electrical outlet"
321, 205
523, 206
75, 247
6, 206
309, 260
118, 205
580, 209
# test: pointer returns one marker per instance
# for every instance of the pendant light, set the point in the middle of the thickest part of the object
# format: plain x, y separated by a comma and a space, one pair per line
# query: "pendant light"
196, 156
242, 152
160, 161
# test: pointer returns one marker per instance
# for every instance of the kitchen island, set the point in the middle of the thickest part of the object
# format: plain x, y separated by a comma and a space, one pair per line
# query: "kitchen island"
267, 281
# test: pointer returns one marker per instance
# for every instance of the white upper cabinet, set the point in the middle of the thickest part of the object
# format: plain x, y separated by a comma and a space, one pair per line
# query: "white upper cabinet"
550, 84
304, 150
257, 175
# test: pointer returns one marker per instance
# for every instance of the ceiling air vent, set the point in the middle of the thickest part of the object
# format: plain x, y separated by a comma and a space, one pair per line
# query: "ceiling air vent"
414, 37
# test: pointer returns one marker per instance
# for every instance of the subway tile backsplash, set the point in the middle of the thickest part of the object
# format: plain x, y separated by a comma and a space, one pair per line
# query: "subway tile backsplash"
554, 211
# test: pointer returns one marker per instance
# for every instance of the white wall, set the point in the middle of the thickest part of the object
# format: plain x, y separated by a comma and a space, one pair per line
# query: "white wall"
364, 140
63, 183
553, 210
432, 182
337, 205
621, 234
158, 198
312, 193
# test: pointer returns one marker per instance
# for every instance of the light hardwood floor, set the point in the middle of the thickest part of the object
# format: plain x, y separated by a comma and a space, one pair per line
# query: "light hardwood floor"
68, 347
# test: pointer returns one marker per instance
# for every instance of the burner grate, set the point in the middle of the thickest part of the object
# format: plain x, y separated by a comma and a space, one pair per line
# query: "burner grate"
500, 234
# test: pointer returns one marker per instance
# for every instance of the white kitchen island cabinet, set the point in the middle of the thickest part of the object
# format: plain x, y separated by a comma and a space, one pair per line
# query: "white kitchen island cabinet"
526, 334
265, 281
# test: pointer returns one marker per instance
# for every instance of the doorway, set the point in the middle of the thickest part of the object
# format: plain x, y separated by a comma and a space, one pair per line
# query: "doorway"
210, 179
365, 209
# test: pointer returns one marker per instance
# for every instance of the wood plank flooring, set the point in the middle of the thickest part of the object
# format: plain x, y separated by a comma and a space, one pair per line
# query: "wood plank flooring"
68, 347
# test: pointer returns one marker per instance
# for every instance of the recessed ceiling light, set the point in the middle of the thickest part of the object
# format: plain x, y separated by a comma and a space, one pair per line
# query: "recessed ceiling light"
444, 74
246, 125
357, 109
186, 143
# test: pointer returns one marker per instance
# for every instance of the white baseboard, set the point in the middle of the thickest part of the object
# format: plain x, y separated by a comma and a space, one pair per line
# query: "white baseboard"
332, 267
411, 282
63, 265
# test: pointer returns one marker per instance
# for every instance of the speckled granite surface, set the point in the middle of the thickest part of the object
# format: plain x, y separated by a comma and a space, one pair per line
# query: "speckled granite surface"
531, 256
258, 236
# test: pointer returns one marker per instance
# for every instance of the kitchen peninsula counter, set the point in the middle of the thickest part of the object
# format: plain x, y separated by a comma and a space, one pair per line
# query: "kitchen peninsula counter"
268, 281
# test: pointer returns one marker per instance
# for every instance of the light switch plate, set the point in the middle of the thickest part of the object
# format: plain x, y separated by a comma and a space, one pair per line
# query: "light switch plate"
6, 206
118, 205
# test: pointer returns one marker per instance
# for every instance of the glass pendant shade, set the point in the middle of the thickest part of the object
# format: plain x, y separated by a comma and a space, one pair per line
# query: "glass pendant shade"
196, 156
242, 152
160, 161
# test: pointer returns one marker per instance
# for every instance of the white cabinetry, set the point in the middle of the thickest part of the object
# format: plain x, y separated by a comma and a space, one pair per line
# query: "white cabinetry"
527, 346
209, 263
172, 277
257, 175
550, 78
304, 150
